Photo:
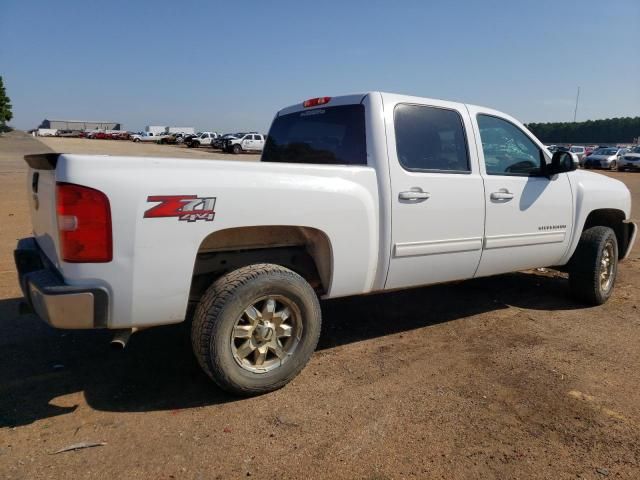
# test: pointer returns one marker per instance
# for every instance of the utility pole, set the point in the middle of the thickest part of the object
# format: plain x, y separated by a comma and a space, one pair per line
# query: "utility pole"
575, 112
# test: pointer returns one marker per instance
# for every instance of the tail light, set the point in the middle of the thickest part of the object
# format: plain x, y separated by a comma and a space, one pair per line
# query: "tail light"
84, 224
314, 102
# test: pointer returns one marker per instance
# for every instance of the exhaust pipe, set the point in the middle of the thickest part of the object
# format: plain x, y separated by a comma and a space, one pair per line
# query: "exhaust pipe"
121, 338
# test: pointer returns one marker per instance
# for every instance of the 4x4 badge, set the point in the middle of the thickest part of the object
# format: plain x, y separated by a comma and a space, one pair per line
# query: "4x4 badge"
188, 208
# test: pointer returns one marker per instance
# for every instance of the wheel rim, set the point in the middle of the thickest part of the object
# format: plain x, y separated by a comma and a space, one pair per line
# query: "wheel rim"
607, 264
266, 334
613, 165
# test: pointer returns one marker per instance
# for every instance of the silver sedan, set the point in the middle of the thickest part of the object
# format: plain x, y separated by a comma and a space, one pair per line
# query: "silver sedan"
630, 160
605, 158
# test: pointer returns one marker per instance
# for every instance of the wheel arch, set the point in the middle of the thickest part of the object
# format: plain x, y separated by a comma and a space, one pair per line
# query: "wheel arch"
615, 219
305, 250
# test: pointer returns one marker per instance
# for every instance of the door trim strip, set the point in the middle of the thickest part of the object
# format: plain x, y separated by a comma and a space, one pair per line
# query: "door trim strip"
434, 247
524, 239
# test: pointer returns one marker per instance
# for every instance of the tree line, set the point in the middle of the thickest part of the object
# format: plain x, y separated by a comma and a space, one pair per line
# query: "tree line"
5, 108
610, 130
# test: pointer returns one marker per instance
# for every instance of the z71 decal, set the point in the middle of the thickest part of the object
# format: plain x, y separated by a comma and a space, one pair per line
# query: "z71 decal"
189, 208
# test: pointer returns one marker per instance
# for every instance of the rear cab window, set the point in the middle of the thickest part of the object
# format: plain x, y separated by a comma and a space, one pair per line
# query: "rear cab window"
327, 135
430, 139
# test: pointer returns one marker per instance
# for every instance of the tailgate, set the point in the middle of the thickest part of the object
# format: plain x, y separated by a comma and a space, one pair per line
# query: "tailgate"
41, 185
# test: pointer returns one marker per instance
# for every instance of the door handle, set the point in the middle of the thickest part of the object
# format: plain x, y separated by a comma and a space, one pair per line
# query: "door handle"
503, 195
414, 195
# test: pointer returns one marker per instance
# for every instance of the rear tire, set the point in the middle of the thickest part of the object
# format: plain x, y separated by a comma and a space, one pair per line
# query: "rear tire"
594, 266
246, 346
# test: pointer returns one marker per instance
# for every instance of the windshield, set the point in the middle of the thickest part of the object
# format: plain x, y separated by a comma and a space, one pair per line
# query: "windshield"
635, 150
334, 135
577, 149
607, 151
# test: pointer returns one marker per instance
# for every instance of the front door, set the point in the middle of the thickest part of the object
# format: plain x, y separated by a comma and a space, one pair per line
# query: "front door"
437, 194
528, 216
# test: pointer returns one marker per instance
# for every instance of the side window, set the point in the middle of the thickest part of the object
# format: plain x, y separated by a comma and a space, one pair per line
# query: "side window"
430, 138
507, 149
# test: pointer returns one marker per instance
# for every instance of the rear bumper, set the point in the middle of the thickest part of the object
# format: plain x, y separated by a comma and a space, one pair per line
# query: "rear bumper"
55, 302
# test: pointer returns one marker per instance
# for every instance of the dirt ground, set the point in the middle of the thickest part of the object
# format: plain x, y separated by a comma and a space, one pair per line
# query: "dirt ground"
503, 377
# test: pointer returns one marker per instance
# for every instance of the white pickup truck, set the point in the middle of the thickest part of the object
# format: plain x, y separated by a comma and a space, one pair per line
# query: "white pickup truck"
205, 138
249, 142
354, 194
148, 137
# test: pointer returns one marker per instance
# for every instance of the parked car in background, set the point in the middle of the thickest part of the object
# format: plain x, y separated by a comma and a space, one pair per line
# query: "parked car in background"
186, 139
46, 132
147, 137
168, 139
68, 133
250, 142
220, 141
231, 137
605, 158
122, 136
579, 151
630, 160
205, 138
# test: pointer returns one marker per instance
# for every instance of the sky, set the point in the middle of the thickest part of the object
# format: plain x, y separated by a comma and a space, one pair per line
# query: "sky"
230, 66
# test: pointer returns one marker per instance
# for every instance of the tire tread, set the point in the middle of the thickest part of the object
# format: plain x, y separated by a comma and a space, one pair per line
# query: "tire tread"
584, 269
210, 308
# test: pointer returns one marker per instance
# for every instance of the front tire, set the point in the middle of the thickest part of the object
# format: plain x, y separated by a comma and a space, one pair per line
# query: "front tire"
255, 328
236, 149
613, 166
594, 266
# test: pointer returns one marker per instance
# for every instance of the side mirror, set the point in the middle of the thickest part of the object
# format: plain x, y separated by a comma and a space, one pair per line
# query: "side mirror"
561, 162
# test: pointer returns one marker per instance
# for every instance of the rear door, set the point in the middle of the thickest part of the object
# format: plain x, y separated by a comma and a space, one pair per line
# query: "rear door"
528, 216
247, 142
437, 193
258, 142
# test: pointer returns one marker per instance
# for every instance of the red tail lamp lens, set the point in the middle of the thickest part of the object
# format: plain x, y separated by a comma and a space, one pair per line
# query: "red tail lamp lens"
84, 224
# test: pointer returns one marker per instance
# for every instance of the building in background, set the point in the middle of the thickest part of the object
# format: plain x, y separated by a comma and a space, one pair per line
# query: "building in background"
161, 129
155, 129
183, 130
78, 125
